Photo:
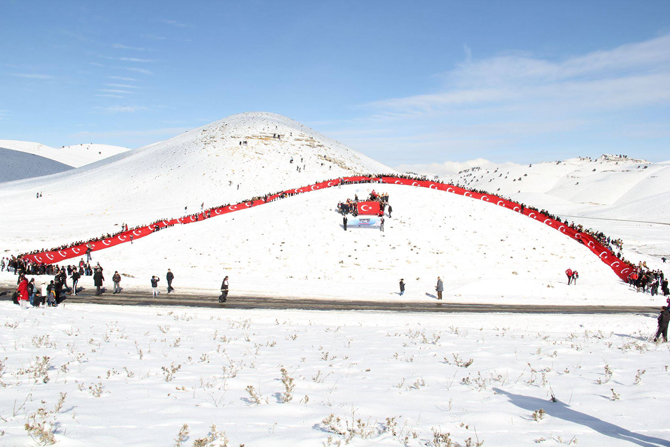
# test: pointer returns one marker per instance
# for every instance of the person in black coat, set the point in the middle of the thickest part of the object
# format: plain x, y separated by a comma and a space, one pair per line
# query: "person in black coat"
169, 277
75, 278
97, 280
402, 287
224, 291
344, 222
663, 320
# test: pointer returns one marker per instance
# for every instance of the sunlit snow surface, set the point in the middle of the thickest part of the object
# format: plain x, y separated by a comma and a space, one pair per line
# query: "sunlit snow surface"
136, 375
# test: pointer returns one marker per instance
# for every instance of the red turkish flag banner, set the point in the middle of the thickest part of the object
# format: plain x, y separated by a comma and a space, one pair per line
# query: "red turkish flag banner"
371, 208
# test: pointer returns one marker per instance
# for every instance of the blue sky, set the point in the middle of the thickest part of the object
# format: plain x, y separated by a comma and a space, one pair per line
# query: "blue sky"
403, 82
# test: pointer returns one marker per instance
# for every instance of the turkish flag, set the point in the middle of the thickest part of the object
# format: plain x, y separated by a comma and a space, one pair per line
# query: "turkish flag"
368, 208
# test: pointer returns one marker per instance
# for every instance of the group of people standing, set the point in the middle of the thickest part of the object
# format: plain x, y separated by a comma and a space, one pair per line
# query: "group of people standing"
648, 281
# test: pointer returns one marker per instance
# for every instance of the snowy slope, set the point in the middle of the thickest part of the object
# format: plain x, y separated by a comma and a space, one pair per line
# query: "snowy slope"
204, 165
296, 246
625, 198
21, 165
74, 156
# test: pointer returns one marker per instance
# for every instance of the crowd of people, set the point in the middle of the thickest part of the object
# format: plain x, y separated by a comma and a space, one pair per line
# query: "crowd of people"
55, 291
350, 206
645, 280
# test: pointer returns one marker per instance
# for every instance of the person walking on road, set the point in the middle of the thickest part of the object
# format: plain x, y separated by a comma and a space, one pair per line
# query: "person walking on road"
169, 277
439, 288
154, 285
663, 320
117, 281
98, 280
75, 279
224, 291
402, 286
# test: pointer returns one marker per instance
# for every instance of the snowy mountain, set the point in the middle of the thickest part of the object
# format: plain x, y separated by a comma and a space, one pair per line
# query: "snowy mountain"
227, 161
616, 194
27, 160
18, 165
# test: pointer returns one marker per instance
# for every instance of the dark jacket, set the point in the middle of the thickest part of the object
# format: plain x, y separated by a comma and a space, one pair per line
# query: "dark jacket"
402, 286
170, 276
98, 278
154, 282
664, 318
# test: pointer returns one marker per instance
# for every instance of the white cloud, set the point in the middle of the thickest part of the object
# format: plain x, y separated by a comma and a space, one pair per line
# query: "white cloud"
122, 86
136, 70
129, 59
122, 78
122, 109
632, 75
174, 23
153, 37
33, 76
109, 90
125, 47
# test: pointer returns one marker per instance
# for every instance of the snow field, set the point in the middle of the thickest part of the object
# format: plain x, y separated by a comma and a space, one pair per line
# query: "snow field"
137, 375
296, 247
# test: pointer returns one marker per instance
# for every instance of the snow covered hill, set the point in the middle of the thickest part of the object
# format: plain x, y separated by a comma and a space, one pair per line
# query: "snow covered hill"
20, 165
227, 161
44, 160
296, 246
624, 197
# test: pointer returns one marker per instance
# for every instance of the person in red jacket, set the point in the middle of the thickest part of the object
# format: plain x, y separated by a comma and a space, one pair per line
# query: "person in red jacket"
568, 273
24, 297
